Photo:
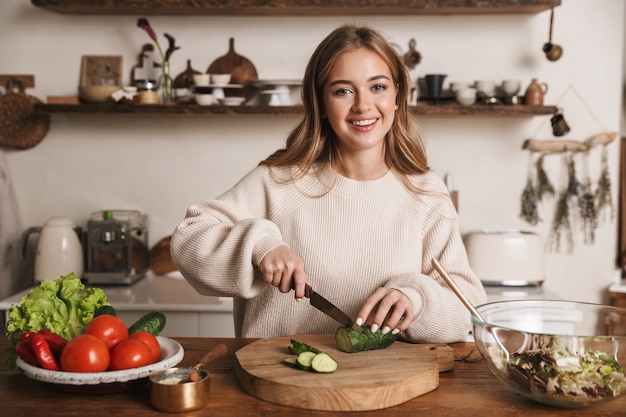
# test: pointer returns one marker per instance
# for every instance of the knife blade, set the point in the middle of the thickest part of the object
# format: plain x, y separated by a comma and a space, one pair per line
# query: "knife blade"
328, 308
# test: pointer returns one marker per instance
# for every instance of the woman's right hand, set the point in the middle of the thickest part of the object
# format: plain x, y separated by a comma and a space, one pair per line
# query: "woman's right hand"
284, 269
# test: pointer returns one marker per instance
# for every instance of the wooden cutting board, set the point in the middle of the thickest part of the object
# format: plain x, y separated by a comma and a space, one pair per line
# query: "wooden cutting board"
367, 380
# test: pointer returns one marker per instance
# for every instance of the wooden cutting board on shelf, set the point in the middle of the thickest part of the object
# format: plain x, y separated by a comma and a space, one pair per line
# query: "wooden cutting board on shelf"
367, 380
239, 67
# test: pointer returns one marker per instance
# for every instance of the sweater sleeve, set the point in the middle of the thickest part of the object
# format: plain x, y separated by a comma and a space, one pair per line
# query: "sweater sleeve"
440, 317
218, 244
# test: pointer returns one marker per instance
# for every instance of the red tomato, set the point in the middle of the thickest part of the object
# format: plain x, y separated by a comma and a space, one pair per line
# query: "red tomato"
110, 329
151, 341
85, 353
131, 353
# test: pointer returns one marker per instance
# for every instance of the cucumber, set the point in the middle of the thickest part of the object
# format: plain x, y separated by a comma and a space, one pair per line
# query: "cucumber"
305, 358
324, 363
105, 309
350, 340
291, 361
310, 358
152, 322
299, 347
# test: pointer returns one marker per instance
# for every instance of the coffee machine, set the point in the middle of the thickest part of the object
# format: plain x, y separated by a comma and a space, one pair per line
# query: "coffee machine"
117, 247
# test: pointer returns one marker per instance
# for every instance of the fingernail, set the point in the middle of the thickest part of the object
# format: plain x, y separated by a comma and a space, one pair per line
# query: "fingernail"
386, 330
298, 299
359, 321
395, 331
374, 328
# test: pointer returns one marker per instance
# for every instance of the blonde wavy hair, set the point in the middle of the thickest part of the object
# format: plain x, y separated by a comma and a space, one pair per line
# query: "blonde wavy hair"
313, 142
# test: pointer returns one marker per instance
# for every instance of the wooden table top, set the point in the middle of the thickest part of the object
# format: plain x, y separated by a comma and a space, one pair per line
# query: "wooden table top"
468, 390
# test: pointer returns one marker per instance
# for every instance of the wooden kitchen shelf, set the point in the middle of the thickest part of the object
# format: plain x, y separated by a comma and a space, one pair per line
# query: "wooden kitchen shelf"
294, 7
209, 111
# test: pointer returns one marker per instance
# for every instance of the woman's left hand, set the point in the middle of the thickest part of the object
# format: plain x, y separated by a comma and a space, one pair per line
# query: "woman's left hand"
388, 309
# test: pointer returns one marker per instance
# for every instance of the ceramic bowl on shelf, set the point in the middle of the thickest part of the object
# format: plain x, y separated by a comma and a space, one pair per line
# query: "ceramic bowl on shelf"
201, 80
511, 87
466, 96
220, 79
172, 354
232, 101
97, 93
204, 99
559, 353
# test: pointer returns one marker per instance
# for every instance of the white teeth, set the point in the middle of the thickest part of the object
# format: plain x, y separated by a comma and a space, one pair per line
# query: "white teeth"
363, 122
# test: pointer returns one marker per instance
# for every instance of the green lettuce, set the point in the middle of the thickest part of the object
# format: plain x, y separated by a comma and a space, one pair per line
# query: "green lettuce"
62, 306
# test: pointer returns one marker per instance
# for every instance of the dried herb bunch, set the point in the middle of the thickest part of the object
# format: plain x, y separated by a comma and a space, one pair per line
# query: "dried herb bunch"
529, 210
561, 224
544, 186
587, 206
604, 199
588, 213
573, 185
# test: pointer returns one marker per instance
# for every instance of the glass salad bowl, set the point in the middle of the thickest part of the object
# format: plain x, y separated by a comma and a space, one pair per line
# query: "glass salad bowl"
559, 353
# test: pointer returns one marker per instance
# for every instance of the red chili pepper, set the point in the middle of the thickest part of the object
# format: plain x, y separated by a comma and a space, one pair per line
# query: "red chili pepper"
42, 352
26, 336
56, 342
25, 352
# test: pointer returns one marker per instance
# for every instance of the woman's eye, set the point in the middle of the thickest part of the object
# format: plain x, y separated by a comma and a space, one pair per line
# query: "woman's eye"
379, 87
342, 91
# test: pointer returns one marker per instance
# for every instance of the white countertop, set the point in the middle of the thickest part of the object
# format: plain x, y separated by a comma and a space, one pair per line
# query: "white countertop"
153, 292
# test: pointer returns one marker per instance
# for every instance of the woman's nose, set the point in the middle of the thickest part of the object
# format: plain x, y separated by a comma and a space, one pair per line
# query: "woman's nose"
362, 103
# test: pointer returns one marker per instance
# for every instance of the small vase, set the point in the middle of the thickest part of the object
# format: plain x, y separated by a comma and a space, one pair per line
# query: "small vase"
166, 85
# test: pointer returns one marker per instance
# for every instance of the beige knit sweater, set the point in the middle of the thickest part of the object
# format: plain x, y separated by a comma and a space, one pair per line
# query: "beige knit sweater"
353, 237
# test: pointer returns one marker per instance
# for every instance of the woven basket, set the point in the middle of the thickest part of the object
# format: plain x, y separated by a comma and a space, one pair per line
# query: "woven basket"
20, 126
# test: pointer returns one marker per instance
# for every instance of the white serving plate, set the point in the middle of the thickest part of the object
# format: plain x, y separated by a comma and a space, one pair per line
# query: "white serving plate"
171, 355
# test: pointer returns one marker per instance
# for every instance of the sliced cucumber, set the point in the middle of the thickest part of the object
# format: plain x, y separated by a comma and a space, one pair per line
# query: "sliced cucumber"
310, 358
304, 359
324, 363
291, 361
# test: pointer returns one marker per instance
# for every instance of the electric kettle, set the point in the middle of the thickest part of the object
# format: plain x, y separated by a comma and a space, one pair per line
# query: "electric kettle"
59, 250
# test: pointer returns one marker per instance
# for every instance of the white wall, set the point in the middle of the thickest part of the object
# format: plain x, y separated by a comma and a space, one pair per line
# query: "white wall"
161, 165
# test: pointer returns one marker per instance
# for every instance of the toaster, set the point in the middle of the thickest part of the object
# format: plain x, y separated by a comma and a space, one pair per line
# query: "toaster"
506, 257
117, 247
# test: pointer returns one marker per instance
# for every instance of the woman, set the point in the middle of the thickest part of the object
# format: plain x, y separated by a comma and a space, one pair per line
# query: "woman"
349, 206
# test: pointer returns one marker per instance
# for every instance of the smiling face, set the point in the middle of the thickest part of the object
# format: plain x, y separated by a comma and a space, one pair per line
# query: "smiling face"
359, 102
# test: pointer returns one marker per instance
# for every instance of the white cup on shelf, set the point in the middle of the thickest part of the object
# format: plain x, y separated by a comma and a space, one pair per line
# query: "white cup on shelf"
201, 80
466, 96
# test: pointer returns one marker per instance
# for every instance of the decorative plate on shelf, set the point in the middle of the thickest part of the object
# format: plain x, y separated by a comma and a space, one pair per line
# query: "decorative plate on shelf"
106, 382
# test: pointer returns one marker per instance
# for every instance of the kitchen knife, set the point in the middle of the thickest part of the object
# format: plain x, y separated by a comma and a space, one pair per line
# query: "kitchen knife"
329, 308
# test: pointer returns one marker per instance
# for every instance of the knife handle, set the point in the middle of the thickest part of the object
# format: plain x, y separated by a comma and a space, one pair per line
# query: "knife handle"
307, 289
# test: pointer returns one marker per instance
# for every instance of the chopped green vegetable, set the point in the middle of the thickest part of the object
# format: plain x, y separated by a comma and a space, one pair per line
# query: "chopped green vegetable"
304, 359
62, 306
291, 361
350, 340
299, 347
310, 358
324, 363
